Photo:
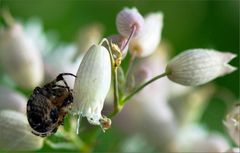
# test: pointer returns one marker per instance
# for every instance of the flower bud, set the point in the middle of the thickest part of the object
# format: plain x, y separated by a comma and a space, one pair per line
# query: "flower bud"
54, 66
92, 84
232, 123
127, 19
12, 100
16, 134
199, 66
149, 38
19, 58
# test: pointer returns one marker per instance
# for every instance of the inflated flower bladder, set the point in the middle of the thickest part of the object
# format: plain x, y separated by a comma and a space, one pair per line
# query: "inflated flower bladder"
92, 84
199, 66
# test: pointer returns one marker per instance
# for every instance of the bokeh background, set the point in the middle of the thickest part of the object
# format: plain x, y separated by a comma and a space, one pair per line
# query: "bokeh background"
187, 24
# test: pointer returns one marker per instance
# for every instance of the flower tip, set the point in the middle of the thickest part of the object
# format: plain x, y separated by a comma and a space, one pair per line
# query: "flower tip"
227, 69
126, 19
227, 57
158, 15
199, 66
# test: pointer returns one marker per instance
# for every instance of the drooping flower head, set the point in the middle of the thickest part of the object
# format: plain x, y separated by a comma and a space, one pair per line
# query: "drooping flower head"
92, 84
199, 66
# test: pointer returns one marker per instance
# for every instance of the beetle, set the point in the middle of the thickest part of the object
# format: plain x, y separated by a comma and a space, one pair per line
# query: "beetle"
48, 105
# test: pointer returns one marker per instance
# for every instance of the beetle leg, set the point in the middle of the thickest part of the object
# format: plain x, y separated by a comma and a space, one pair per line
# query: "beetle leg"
60, 78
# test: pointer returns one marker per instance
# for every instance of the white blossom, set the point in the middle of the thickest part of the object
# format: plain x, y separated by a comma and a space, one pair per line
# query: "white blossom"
146, 42
199, 66
233, 150
148, 112
232, 123
20, 58
92, 84
195, 138
54, 66
15, 132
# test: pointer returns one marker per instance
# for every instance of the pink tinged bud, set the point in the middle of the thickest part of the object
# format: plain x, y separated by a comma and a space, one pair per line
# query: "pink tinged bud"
199, 66
120, 41
232, 123
149, 38
141, 75
92, 84
127, 19
20, 58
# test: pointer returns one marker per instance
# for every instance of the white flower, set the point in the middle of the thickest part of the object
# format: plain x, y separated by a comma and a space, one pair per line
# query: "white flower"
212, 143
54, 65
148, 112
12, 100
20, 58
127, 19
15, 132
43, 41
194, 138
190, 106
146, 42
233, 150
232, 123
199, 66
92, 84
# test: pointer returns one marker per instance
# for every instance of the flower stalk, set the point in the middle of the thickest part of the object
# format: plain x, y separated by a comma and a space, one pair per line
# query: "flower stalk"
125, 99
116, 92
115, 78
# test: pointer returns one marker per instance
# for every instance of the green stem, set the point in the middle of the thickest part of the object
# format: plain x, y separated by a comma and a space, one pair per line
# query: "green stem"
130, 65
116, 96
61, 145
7, 18
115, 79
124, 100
116, 93
79, 144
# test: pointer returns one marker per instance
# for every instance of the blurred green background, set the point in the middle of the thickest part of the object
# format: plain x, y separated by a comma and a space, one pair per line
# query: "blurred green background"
187, 24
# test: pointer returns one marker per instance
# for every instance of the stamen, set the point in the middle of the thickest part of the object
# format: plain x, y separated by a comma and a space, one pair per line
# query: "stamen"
130, 37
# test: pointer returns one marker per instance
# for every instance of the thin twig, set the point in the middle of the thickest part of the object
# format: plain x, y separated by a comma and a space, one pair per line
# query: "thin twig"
124, 100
